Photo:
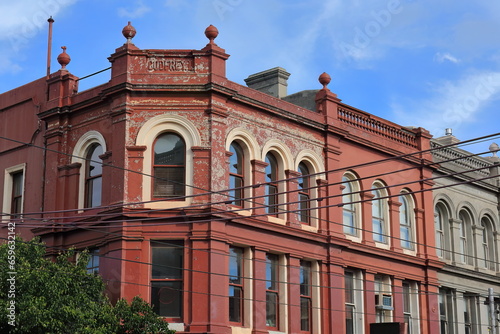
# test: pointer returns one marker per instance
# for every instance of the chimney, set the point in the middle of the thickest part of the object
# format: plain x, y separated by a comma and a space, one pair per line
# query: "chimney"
272, 82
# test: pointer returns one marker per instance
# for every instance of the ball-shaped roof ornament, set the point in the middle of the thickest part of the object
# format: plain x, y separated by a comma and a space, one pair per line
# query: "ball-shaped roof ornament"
324, 79
63, 59
494, 148
129, 32
211, 32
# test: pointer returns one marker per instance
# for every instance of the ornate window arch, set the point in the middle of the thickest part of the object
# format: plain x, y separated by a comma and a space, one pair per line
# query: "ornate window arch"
352, 205
380, 214
86, 152
465, 251
407, 220
488, 243
147, 136
443, 231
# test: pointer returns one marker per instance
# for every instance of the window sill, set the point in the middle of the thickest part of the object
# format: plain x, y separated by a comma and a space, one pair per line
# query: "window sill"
310, 229
178, 327
409, 252
166, 204
276, 220
353, 238
240, 330
382, 245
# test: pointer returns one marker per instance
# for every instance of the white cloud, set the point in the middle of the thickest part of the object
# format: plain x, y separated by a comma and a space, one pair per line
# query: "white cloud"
137, 11
452, 104
441, 57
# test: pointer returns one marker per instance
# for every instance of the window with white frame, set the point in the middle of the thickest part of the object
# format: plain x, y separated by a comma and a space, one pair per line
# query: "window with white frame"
380, 223
407, 221
351, 205
13, 195
465, 245
442, 228
383, 298
353, 301
470, 313
410, 306
87, 152
488, 244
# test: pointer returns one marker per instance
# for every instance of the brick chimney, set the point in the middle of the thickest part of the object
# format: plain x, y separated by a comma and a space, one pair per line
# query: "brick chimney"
272, 82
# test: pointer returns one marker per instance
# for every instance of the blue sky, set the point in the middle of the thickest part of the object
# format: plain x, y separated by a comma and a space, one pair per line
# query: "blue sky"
434, 64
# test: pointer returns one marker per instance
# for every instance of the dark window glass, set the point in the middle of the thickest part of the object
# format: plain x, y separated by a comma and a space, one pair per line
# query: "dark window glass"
349, 208
236, 284
236, 171
272, 185
304, 194
93, 264
272, 290
17, 194
93, 177
169, 166
305, 296
167, 278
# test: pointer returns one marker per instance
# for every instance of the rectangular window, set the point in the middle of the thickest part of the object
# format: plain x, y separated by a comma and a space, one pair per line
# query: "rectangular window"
407, 306
350, 304
13, 194
305, 296
93, 264
446, 311
469, 314
272, 290
167, 278
236, 285
17, 194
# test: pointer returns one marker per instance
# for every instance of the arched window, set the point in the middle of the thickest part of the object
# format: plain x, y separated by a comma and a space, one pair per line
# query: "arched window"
93, 176
236, 174
272, 184
169, 163
304, 194
406, 221
350, 200
488, 244
379, 215
442, 228
465, 246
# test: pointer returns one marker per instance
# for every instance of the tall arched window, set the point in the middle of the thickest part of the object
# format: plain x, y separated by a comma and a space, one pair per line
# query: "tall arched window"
236, 174
169, 163
272, 184
350, 200
442, 228
93, 176
465, 250
379, 215
304, 194
406, 221
488, 244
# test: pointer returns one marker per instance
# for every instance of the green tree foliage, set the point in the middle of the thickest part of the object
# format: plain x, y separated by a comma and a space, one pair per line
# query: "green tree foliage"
61, 297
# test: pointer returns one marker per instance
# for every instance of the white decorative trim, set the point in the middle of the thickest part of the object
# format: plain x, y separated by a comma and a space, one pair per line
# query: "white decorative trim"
146, 137
7, 187
79, 155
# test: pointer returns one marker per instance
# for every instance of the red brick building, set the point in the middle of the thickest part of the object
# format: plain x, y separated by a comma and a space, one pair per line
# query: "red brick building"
229, 209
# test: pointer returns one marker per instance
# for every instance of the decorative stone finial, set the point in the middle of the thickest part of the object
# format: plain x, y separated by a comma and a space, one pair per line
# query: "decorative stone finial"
129, 32
63, 58
494, 149
324, 79
211, 32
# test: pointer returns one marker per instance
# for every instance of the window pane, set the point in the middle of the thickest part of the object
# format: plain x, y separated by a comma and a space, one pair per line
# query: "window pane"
305, 278
305, 311
235, 302
169, 181
166, 298
271, 272
169, 150
349, 287
236, 159
271, 309
167, 262
349, 319
95, 163
235, 265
